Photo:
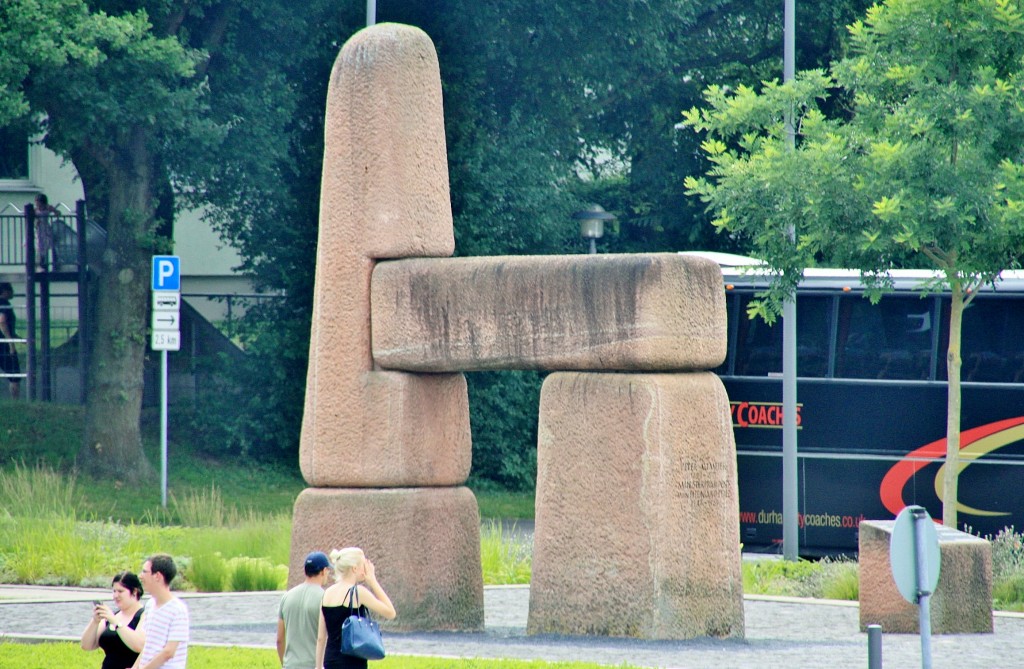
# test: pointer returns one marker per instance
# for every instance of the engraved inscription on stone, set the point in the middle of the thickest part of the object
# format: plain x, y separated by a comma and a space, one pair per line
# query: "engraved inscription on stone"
705, 482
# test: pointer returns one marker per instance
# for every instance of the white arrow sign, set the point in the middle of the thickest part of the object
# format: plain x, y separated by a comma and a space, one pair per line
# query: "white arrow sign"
165, 320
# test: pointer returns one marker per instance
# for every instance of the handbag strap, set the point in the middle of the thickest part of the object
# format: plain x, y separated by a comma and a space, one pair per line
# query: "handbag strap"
353, 599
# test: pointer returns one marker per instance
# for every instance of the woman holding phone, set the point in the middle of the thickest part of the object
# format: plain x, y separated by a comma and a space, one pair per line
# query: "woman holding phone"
114, 630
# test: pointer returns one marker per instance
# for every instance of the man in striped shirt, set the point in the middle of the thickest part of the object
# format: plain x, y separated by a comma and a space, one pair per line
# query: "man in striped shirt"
165, 618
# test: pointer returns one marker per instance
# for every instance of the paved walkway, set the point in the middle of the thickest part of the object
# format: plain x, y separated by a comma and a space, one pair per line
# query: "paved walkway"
780, 632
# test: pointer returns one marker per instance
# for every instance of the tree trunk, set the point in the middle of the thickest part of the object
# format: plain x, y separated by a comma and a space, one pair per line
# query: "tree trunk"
112, 447
953, 363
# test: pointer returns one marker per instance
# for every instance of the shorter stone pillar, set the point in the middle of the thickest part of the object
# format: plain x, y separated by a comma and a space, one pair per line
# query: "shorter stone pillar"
637, 530
424, 542
962, 602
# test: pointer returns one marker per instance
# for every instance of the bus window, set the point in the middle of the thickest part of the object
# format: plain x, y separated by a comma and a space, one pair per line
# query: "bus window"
991, 348
813, 333
759, 346
888, 340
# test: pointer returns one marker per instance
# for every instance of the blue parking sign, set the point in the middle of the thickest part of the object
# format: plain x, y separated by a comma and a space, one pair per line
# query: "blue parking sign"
166, 273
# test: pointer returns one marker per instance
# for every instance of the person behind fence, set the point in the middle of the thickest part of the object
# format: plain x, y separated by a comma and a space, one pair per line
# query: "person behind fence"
115, 630
46, 220
298, 617
164, 619
351, 568
9, 365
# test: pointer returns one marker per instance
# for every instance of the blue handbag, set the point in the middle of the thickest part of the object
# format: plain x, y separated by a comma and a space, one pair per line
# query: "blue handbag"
360, 635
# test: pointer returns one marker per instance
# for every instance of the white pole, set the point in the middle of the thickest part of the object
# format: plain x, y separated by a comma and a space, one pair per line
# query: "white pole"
163, 428
790, 527
371, 12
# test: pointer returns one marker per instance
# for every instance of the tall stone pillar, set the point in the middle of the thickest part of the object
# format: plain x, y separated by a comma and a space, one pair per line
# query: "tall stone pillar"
382, 449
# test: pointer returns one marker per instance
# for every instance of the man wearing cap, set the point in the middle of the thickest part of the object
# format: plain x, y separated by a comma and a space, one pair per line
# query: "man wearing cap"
298, 618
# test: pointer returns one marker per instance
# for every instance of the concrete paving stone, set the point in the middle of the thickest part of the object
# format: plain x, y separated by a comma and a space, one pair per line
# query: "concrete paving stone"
781, 632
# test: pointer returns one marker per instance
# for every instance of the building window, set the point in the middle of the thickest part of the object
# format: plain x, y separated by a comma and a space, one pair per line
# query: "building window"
14, 148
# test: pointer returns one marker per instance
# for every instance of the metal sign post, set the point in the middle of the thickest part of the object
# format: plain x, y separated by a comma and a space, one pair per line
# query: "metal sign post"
166, 337
916, 562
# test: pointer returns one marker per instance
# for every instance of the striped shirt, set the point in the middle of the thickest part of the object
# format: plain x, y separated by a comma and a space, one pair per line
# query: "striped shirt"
163, 624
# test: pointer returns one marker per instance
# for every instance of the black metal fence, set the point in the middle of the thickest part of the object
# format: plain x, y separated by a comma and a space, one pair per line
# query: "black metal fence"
51, 257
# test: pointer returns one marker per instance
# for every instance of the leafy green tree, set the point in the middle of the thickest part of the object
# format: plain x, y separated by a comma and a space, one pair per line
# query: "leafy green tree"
921, 163
159, 105
547, 106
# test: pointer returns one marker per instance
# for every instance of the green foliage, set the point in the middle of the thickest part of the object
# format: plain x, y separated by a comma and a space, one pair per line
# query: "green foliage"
504, 504
211, 572
505, 557
37, 492
256, 574
825, 579
206, 572
841, 580
503, 415
1008, 570
921, 167
36, 432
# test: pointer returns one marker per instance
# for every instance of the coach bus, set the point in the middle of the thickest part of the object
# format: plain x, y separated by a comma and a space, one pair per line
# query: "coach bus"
871, 405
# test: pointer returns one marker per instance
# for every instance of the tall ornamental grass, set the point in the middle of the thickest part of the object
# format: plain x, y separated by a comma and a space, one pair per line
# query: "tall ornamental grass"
43, 540
505, 556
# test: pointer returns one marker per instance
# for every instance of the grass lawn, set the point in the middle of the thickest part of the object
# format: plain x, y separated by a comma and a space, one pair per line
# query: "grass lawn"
70, 656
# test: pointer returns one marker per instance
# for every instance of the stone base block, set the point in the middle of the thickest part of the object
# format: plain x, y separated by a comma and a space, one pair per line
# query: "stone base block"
389, 429
637, 530
962, 602
425, 543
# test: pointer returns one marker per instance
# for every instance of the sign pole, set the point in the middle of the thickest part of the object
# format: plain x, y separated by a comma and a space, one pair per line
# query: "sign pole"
916, 563
924, 588
163, 428
166, 337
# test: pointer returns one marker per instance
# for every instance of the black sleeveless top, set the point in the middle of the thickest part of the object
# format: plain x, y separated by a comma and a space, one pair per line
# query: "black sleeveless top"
118, 654
334, 616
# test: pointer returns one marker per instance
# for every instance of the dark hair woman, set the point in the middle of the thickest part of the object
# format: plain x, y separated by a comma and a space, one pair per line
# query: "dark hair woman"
114, 630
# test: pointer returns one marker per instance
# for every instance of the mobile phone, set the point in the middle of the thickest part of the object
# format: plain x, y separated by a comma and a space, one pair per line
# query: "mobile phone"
96, 602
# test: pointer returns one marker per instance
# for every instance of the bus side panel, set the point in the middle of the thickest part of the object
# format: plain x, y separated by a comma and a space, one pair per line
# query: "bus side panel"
856, 444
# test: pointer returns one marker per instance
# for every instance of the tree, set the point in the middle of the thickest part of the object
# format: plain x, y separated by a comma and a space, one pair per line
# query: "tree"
920, 163
159, 105
548, 106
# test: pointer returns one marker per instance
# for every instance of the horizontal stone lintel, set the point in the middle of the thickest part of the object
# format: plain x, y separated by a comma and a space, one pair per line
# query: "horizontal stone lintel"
644, 312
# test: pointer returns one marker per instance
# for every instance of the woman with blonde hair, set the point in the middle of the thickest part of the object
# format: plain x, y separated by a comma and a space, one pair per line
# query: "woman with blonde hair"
351, 569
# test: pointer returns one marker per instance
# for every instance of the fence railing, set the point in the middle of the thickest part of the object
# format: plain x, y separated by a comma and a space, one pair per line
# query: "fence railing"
54, 236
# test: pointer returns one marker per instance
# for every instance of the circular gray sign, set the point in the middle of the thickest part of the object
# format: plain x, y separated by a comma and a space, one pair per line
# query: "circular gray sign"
903, 552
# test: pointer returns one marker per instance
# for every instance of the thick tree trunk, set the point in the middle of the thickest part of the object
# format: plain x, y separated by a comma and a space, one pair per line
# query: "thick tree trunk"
112, 446
953, 362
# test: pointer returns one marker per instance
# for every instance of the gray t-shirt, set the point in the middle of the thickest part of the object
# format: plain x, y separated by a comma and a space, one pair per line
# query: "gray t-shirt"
300, 610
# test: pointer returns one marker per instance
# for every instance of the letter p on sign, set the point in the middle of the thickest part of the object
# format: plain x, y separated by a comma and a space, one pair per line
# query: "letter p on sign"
166, 273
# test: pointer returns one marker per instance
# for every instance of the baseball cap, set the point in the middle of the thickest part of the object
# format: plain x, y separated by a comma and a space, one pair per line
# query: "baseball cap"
316, 562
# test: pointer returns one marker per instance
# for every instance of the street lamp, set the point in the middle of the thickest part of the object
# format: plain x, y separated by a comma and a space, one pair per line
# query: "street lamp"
592, 224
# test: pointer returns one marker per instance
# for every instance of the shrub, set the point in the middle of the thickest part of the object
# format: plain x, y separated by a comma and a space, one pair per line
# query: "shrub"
1008, 569
207, 572
840, 579
256, 574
